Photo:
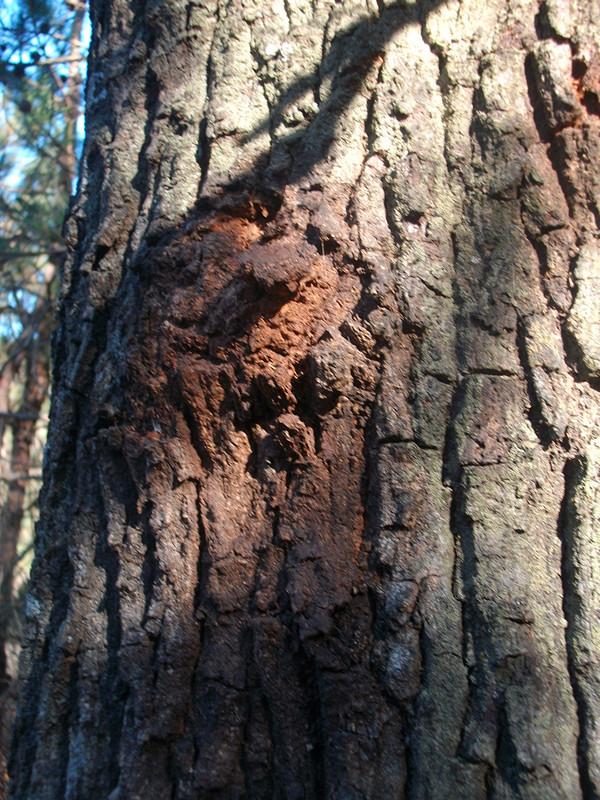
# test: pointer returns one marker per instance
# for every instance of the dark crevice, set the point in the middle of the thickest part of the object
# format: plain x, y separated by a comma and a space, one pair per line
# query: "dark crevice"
591, 101
305, 403
491, 371
72, 704
556, 154
542, 256
309, 678
324, 245
152, 95
568, 531
543, 27
195, 433
574, 357
508, 764
578, 68
201, 593
545, 433
393, 439
547, 136
389, 203
414, 777
101, 251
536, 101
475, 628
106, 557
589, 98
203, 152
150, 566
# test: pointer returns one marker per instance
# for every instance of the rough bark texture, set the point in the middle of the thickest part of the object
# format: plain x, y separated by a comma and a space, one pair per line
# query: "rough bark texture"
321, 506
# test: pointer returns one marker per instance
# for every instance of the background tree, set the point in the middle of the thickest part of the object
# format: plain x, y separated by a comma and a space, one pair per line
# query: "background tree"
40, 73
321, 497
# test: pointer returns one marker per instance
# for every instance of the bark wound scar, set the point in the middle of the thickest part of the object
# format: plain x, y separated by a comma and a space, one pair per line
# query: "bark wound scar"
242, 338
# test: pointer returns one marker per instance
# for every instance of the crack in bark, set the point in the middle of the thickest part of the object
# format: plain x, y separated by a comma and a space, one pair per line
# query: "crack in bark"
568, 525
545, 433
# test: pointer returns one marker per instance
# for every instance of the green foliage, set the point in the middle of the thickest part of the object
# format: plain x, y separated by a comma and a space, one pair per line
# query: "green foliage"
41, 73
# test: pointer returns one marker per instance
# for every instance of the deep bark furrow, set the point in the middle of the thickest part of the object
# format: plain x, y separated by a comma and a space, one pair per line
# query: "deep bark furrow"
582, 666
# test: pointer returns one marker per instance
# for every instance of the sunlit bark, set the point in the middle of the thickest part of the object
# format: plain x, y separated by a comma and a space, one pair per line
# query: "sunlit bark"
321, 499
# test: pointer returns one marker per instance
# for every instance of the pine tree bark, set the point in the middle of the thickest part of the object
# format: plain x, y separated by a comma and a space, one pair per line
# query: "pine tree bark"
320, 516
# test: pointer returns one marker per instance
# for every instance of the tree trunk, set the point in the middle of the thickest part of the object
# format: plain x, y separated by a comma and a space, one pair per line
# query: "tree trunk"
320, 516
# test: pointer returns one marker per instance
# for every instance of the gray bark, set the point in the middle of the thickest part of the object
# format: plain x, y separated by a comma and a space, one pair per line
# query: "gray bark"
320, 516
